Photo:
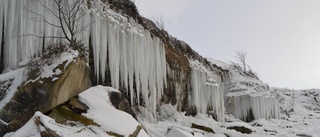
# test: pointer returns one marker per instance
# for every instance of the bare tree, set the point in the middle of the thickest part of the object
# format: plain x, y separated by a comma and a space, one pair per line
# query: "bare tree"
242, 65
241, 57
69, 14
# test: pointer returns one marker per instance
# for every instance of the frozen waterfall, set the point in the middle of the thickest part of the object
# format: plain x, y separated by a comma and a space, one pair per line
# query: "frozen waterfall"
206, 93
134, 58
259, 106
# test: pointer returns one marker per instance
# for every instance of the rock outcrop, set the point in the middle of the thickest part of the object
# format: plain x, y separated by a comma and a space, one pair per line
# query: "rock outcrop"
44, 94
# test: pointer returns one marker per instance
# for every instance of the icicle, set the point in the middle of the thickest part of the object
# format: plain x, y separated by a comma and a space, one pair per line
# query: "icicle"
206, 93
260, 106
103, 49
1, 25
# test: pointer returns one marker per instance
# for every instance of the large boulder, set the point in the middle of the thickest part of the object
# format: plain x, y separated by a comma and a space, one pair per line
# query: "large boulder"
44, 94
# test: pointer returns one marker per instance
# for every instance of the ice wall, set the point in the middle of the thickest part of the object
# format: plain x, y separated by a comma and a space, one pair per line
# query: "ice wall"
249, 107
26, 24
206, 93
134, 58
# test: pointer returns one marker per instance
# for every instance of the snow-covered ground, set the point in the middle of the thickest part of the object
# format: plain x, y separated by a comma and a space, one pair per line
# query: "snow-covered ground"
303, 120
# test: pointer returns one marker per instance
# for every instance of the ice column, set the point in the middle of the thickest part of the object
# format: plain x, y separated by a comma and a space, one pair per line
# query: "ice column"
261, 106
205, 94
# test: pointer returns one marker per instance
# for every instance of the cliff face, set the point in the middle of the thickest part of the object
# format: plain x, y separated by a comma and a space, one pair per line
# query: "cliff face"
130, 53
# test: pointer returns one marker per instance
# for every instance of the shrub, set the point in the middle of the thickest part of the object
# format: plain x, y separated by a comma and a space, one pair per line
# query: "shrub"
34, 68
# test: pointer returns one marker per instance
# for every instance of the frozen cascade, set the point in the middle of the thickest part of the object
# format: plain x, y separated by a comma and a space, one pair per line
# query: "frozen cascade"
23, 29
130, 53
1, 23
261, 106
206, 93
120, 45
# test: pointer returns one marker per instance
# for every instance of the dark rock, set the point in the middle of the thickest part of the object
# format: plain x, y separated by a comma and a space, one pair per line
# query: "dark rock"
136, 132
241, 129
77, 106
204, 128
115, 99
114, 134
62, 114
191, 111
45, 134
303, 135
125, 106
121, 103
266, 130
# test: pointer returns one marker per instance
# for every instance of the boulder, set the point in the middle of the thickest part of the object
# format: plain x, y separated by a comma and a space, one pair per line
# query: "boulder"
121, 103
44, 94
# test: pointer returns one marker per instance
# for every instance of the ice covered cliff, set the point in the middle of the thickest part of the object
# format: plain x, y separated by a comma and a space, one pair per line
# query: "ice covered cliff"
129, 53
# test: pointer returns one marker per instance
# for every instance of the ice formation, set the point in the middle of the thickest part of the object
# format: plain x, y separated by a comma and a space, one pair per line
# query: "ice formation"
206, 92
134, 56
24, 28
261, 106
120, 45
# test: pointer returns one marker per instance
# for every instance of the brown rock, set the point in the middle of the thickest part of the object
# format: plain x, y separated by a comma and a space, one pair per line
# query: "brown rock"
44, 94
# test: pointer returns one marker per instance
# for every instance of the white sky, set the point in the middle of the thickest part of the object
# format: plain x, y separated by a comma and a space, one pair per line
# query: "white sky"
281, 37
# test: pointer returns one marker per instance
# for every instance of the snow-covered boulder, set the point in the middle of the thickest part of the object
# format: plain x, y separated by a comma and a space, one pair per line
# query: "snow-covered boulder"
64, 78
105, 119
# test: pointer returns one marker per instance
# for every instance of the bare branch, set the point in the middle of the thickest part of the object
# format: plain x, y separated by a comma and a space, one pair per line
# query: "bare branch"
68, 13
241, 57
51, 11
33, 35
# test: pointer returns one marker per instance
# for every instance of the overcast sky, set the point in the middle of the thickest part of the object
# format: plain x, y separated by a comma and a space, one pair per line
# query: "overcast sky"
281, 37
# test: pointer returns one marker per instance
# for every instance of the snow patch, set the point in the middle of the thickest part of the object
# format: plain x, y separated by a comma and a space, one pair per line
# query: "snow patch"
103, 113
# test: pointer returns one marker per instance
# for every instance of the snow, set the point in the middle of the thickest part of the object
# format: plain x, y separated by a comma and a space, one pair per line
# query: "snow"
103, 113
12, 89
10, 75
180, 125
30, 129
48, 70
304, 120
100, 111
176, 132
